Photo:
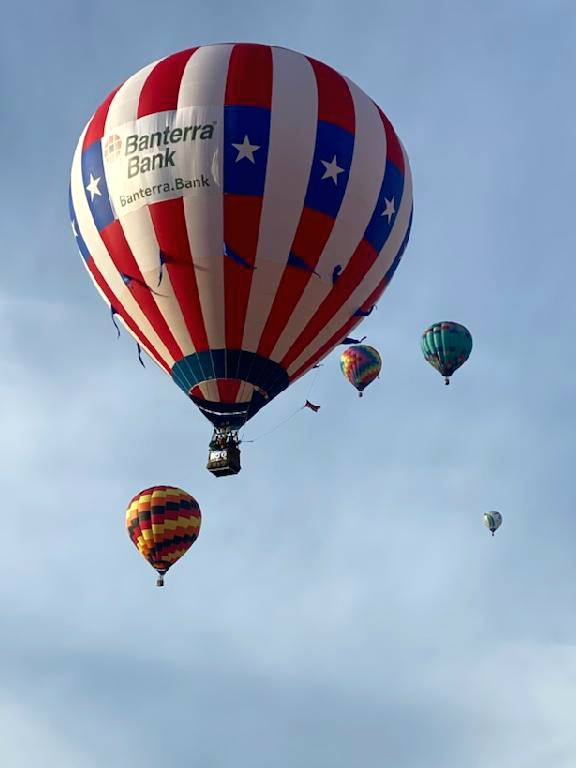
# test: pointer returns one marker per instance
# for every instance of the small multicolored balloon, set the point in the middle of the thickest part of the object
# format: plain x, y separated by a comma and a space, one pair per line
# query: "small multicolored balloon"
163, 523
492, 521
446, 346
360, 364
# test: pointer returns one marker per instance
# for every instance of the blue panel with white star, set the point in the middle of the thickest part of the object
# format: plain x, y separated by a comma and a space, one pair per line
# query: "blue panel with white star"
386, 210
330, 169
246, 142
94, 180
85, 253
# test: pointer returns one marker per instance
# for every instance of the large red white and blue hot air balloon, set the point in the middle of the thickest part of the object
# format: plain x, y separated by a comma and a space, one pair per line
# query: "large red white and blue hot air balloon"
241, 208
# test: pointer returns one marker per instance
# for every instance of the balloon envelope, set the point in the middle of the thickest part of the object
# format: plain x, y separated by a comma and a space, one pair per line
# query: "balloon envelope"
240, 208
360, 364
492, 521
163, 522
446, 346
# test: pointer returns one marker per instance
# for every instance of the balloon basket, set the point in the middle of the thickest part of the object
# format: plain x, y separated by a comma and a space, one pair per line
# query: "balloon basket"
224, 454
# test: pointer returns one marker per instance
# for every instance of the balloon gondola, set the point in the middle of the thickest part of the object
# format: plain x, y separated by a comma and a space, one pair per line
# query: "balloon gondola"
224, 453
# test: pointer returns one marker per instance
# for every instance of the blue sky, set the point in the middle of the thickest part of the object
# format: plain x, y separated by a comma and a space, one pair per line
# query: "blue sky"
343, 605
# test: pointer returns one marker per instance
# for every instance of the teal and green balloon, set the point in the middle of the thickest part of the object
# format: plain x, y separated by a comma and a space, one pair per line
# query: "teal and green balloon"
446, 346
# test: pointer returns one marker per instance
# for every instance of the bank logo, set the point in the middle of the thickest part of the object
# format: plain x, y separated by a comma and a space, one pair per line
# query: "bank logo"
112, 148
138, 147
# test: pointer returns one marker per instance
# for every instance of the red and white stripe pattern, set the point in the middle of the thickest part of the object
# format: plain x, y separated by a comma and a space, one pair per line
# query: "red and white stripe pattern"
298, 207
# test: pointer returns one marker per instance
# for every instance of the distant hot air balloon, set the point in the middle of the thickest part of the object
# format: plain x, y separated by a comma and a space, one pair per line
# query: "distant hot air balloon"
163, 523
361, 365
446, 346
492, 521
241, 208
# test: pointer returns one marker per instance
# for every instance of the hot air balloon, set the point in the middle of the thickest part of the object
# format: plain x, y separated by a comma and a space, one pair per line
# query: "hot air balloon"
360, 364
446, 346
240, 208
492, 521
163, 523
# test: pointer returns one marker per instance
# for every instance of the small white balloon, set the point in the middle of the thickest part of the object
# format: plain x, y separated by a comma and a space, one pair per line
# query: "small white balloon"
492, 521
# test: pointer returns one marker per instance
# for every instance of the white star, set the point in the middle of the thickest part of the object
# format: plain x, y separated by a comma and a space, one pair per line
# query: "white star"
246, 150
390, 210
73, 223
332, 170
93, 186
